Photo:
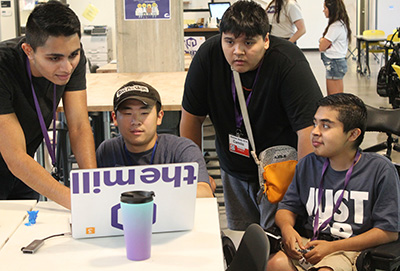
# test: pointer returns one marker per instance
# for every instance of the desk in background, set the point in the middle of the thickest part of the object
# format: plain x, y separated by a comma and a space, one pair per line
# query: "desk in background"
112, 67
108, 68
198, 249
205, 32
101, 88
12, 214
367, 40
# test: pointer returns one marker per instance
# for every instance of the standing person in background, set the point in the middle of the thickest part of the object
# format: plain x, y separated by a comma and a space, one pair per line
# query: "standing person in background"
286, 19
334, 43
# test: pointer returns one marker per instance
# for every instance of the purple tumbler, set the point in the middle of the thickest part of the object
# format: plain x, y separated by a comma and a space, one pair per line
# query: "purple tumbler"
137, 218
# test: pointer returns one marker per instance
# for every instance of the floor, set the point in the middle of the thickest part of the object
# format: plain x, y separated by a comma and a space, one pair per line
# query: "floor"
362, 86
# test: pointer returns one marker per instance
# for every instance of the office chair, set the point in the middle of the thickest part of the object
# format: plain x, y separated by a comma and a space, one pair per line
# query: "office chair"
92, 67
64, 156
253, 251
387, 256
351, 53
386, 121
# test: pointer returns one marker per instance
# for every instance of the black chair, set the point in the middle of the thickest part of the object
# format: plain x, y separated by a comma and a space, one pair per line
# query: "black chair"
64, 156
386, 121
253, 251
387, 256
384, 257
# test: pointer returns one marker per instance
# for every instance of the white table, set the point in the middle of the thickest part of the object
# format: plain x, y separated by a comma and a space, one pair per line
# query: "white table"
198, 249
367, 40
12, 214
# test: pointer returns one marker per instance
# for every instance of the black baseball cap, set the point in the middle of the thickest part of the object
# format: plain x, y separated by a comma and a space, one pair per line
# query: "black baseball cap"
136, 90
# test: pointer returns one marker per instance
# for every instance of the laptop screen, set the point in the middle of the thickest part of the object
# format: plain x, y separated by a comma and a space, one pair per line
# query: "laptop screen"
218, 9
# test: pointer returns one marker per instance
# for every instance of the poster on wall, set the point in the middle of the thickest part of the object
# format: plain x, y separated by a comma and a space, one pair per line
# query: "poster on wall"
147, 9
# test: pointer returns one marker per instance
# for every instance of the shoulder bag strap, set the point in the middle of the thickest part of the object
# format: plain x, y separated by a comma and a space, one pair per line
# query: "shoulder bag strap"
245, 115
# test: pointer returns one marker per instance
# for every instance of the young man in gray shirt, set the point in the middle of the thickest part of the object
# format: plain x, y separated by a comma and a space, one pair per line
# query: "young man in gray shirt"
137, 113
349, 199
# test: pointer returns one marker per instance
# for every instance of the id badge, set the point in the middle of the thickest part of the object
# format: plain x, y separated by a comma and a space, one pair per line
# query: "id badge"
239, 145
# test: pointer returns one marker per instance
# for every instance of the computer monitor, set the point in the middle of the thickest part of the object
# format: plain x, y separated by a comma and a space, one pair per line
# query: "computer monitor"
218, 9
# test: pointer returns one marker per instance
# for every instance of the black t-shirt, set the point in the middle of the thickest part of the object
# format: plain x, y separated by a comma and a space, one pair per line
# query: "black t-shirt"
283, 100
16, 92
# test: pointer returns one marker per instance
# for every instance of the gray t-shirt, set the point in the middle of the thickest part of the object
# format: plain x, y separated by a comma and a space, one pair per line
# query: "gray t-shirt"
371, 198
170, 149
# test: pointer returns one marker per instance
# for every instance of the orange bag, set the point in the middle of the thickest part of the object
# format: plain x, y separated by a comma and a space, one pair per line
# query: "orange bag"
278, 177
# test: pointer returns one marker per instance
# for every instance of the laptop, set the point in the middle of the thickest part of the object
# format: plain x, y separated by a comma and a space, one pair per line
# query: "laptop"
218, 9
95, 197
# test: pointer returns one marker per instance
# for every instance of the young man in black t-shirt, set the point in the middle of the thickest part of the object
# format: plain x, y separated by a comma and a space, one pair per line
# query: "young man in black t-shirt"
281, 93
48, 64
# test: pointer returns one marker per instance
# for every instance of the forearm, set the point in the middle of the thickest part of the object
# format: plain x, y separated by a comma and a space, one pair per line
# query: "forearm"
301, 30
82, 145
80, 132
191, 127
24, 167
204, 190
285, 218
371, 238
36, 177
324, 44
296, 36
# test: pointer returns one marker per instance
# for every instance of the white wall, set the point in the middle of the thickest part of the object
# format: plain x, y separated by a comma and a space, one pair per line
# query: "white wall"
106, 15
351, 7
316, 22
388, 15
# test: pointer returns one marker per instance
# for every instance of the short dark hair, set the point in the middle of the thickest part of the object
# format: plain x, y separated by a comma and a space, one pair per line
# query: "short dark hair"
245, 17
352, 112
51, 19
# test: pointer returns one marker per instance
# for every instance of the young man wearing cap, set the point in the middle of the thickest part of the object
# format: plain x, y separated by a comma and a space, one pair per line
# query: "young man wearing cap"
137, 113
280, 91
36, 71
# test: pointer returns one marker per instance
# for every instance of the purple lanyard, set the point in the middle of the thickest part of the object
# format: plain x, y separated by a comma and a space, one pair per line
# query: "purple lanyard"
152, 154
52, 150
317, 229
238, 116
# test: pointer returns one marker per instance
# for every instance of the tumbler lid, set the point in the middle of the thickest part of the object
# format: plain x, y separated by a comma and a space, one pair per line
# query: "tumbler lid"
137, 196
